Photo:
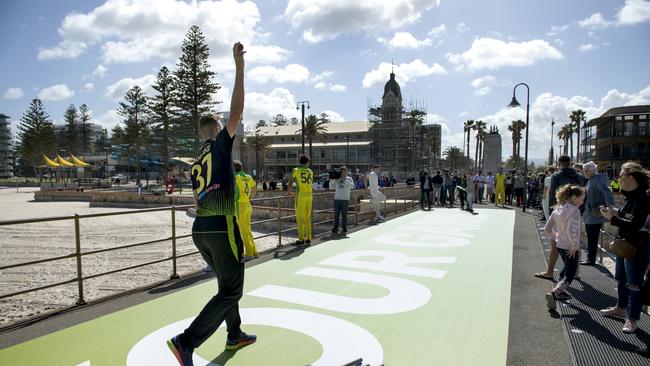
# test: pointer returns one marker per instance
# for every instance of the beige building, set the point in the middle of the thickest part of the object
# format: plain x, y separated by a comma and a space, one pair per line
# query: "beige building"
347, 143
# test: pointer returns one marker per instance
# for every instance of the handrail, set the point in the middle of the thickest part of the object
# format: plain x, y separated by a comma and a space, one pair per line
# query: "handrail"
409, 199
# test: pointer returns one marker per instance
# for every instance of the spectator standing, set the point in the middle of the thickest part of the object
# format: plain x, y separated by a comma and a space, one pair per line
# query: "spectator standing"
425, 189
489, 187
342, 187
598, 194
437, 188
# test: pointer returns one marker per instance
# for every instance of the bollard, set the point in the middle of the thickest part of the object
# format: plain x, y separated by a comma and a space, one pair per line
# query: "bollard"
174, 269
80, 280
356, 214
279, 225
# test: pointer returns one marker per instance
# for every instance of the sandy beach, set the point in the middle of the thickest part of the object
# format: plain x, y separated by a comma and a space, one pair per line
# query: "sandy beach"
28, 242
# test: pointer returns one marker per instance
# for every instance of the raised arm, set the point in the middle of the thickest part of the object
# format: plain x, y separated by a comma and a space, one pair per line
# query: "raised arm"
237, 101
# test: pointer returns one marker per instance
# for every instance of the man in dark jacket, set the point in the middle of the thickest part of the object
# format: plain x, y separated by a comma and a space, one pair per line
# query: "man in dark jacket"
597, 194
425, 189
565, 175
437, 188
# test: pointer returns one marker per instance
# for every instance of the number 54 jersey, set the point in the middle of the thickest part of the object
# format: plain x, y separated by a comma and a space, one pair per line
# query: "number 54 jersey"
213, 177
304, 178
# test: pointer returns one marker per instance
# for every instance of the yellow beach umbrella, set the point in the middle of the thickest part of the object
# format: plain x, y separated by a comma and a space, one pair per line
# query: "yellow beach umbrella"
63, 162
78, 162
50, 163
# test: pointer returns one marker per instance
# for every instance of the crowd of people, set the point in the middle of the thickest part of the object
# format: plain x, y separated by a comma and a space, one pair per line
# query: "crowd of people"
579, 194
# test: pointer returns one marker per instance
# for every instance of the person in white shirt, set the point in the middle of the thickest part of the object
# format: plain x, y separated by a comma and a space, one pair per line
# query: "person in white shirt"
545, 196
489, 185
479, 182
376, 196
342, 187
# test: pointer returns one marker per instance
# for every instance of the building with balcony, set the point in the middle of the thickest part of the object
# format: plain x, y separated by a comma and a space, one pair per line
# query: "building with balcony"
619, 135
6, 166
347, 143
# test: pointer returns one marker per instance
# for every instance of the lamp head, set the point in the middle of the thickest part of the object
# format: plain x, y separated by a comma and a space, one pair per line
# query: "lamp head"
514, 103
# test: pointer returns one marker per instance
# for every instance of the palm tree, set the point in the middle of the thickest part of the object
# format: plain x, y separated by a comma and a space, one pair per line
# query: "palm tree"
454, 156
467, 128
564, 134
259, 143
315, 129
576, 117
415, 118
479, 127
516, 127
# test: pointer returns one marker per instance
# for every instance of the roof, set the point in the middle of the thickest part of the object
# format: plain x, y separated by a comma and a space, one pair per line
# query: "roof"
632, 109
322, 144
332, 127
392, 85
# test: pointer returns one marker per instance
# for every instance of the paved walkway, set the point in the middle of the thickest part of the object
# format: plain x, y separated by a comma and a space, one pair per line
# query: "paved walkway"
425, 288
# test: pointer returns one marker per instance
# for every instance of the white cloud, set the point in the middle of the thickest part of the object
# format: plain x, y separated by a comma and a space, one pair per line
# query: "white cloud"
14, 93
462, 27
266, 106
614, 98
56, 92
291, 73
100, 71
116, 90
326, 20
438, 31
89, 87
108, 119
321, 83
557, 29
490, 53
587, 47
404, 73
65, 49
138, 30
483, 85
334, 116
404, 40
595, 21
634, 12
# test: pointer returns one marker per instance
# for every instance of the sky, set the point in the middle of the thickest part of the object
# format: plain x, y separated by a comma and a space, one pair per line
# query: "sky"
458, 58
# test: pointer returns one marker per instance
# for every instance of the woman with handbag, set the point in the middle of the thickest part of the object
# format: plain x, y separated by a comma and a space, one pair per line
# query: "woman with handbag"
631, 247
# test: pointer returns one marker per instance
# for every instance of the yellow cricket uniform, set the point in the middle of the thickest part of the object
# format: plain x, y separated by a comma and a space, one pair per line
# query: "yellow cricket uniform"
303, 177
500, 188
245, 185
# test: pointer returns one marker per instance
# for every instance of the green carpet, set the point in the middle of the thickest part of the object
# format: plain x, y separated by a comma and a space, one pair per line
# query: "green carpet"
427, 288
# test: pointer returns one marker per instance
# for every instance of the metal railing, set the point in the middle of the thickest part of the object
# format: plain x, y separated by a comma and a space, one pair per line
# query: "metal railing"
399, 202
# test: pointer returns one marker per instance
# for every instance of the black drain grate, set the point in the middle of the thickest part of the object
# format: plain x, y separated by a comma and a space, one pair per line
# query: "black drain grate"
596, 340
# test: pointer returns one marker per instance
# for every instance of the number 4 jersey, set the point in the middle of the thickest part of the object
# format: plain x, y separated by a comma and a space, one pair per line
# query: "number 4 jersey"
213, 177
303, 177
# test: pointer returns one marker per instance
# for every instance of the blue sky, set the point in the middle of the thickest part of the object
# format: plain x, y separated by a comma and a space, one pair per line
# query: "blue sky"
461, 58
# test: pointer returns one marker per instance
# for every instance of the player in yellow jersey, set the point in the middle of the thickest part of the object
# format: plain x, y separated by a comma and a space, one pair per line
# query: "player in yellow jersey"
303, 177
500, 188
245, 190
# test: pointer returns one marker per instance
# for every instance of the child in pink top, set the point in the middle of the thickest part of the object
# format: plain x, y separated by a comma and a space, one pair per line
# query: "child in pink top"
564, 227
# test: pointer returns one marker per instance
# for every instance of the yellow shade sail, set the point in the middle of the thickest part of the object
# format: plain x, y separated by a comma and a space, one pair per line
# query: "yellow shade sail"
63, 162
78, 162
50, 163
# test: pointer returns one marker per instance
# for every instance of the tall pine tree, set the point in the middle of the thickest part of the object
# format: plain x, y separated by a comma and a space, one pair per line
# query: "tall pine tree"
71, 130
84, 130
137, 120
161, 112
35, 136
195, 87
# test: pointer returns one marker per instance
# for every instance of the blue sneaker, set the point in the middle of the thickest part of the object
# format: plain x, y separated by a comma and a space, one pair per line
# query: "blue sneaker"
184, 357
241, 342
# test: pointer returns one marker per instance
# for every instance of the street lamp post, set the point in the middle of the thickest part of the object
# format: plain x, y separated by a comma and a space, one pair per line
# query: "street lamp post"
514, 103
551, 152
302, 123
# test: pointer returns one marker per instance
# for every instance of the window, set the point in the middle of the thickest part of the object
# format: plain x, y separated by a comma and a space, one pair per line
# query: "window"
363, 154
282, 139
616, 150
291, 155
336, 137
628, 150
628, 128
643, 116
642, 150
629, 118
322, 154
643, 128
282, 154
293, 139
619, 118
